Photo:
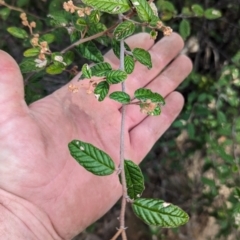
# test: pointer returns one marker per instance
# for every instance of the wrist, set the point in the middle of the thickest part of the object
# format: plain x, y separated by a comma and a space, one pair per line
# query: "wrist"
20, 219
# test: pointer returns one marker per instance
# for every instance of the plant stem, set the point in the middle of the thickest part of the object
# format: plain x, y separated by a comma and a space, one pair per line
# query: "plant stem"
89, 38
19, 9
122, 136
98, 34
117, 234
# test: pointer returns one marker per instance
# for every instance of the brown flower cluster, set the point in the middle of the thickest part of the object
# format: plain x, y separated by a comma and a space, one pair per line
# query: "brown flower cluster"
44, 49
165, 29
72, 88
148, 107
70, 7
26, 23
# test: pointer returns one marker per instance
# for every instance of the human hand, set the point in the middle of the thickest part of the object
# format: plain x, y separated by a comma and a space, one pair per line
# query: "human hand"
35, 163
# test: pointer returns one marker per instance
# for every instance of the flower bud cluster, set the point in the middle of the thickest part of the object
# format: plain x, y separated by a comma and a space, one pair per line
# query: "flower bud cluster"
70, 7
44, 49
148, 107
26, 23
165, 29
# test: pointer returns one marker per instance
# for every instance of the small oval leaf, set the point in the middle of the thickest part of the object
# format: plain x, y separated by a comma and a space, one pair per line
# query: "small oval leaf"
101, 69
17, 32
142, 56
144, 94
86, 71
4, 13
68, 57
54, 69
29, 65
109, 6
121, 97
144, 11
90, 51
91, 158
212, 14
116, 76
185, 28
124, 30
31, 52
48, 37
129, 64
159, 213
101, 90
197, 10
134, 179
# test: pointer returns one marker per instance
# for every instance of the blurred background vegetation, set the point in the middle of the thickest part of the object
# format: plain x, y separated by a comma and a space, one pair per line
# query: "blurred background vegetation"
195, 165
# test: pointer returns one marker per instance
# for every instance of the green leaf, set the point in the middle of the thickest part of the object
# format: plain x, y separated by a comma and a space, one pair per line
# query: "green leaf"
144, 11
153, 34
17, 32
197, 10
212, 13
124, 30
90, 51
109, 6
31, 52
236, 193
116, 47
60, 18
94, 17
167, 10
22, 3
134, 179
129, 64
4, 13
142, 56
54, 69
97, 28
101, 90
58, 60
159, 213
186, 12
91, 158
121, 97
184, 28
68, 57
55, 5
191, 130
48, 37
80, 24
29, 65
86, 71
101, 69
116, 76
166, 6
144, 94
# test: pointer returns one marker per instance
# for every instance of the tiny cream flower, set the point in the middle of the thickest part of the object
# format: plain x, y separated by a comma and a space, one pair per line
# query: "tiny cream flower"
80, 13
72, 88
167, 31
40, 63
58, 58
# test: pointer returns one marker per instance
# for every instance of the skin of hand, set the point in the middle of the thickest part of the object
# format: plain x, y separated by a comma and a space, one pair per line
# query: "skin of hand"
37, 171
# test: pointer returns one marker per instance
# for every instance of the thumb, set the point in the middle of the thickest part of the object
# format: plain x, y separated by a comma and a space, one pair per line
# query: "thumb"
11, 88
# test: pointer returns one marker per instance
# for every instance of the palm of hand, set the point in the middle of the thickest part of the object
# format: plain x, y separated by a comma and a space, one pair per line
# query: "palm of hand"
35, 161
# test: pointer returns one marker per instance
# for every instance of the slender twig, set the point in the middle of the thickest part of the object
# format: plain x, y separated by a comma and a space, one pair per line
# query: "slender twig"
122, 145
19, 10
97, 35
117, 234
